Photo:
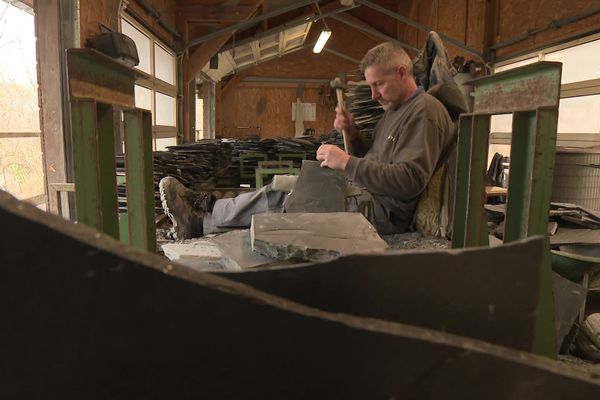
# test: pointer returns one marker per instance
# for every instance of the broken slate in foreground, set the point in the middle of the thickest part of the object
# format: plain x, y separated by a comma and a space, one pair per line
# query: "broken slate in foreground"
86, 317
237, 251
230, 251
313, 236
199, 254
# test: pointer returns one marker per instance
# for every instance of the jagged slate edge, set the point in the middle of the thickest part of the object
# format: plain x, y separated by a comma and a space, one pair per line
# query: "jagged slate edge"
280, 251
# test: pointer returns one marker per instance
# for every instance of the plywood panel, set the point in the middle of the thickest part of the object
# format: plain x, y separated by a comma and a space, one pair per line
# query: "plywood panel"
452, 21
92, 13
517, 18
267, 110
304, 64
475, 24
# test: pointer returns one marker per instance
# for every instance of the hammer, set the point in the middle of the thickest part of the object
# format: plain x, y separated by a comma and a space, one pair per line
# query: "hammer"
337, 85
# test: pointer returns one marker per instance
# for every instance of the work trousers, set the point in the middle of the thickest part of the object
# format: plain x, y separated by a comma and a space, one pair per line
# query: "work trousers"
237, 212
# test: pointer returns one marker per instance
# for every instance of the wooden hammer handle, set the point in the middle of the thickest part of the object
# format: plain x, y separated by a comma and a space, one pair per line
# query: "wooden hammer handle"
340, 100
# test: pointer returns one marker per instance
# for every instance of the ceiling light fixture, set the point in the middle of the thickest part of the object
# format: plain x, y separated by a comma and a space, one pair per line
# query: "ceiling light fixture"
323, 38
325, 33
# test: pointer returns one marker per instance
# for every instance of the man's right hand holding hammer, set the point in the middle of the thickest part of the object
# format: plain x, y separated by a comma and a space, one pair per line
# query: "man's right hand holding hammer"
344, 121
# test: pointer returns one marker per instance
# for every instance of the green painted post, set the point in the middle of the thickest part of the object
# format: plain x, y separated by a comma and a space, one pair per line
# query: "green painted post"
85, 160
476, 231
140, 184
107, 170
94, 160
462, 181
532, 94
522, 152
543, 171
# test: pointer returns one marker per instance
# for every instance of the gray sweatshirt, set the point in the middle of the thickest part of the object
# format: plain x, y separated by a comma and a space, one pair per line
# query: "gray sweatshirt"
405, 152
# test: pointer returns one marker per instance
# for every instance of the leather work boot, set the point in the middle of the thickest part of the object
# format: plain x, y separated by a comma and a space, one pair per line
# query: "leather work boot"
184, 207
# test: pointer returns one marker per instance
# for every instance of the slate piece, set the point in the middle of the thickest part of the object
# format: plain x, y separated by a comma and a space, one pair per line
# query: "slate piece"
317, 190
87, 317
237, 251
575, 236
466, 295
568, 298
199, 254
313, 236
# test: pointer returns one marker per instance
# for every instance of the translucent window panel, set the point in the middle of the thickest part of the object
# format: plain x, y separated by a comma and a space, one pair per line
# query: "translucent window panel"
165, 110
516, 64
580, 63
17, 46
143, 97
21, 166
579, 115
501, 123
165, 65
142, 42
199, 119
162, 143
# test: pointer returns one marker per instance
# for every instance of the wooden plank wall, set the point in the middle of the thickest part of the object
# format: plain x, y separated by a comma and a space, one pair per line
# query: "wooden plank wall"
482, 23
238, 105
266, 109
95, 12
517, 17
475, 22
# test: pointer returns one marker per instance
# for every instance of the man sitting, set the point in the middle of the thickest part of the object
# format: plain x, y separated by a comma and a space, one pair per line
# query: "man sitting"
392, 169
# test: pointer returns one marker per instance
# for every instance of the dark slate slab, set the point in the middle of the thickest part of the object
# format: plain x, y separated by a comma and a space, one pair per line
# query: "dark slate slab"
568, 299
317, 190
313, 236
490, 293
85, 317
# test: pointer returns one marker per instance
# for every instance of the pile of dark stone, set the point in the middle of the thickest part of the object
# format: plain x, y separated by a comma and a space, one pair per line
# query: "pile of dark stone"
204, 164
365, 110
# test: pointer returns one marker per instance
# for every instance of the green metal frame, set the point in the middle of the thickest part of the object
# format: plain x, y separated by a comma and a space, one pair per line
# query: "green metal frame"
268, 168
98, 86
298, 156
245, 168
139, 180
531, 94
94, 165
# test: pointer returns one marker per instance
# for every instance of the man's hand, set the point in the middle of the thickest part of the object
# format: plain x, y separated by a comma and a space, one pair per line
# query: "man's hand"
345, 120
332, 156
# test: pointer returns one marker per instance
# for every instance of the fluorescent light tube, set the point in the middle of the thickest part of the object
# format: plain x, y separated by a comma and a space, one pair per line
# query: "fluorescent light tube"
323, 38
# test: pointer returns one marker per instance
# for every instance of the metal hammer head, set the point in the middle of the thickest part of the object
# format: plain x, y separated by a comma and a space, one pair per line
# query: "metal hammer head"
336, 84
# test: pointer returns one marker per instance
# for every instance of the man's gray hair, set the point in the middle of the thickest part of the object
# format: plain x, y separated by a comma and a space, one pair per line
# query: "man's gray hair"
387, 55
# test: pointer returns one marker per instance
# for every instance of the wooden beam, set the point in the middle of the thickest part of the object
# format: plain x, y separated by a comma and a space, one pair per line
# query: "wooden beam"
47, 29
215, 13
492, 13
199, 57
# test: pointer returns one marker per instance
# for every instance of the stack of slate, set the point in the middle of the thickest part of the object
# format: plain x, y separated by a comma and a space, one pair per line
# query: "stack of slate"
366, 111
198, 165
193, 164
